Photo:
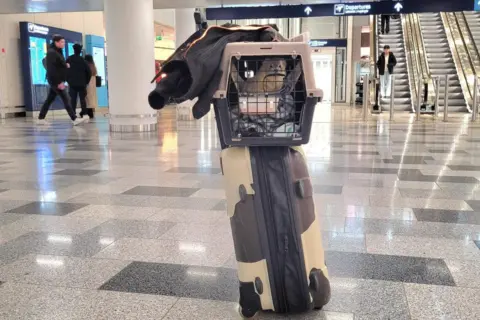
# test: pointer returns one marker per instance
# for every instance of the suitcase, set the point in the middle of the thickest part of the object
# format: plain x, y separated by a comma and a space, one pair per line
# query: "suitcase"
277, 239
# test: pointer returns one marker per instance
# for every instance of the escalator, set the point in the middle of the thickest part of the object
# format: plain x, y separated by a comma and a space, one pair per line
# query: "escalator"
396, 42
441, 61
473, 20
464, 50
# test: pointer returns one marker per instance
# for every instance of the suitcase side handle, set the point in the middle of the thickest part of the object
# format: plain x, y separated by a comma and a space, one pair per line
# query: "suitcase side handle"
304, 188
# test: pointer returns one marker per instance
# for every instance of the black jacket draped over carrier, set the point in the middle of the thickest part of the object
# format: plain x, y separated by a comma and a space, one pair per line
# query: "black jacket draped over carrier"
193, 71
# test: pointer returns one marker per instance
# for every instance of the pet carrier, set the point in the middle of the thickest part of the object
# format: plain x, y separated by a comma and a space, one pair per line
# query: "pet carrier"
267, 95
264, 108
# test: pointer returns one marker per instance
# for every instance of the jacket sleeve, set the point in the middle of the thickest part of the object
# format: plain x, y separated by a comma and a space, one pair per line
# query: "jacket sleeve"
52, 73
394, 60
202, 106
378, 61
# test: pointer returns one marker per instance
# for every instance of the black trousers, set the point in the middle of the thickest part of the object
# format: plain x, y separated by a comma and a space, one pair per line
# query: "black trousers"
79, 92
385, 23
54, 92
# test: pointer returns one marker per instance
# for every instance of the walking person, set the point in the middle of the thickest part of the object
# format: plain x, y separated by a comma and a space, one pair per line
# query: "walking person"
385, 64
57, 76
385, 23
92, 100
78, 77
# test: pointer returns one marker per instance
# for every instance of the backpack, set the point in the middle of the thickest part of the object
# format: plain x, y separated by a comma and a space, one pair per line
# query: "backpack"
44, 62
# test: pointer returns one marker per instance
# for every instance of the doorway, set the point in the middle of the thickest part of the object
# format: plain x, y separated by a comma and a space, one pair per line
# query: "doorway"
323, 72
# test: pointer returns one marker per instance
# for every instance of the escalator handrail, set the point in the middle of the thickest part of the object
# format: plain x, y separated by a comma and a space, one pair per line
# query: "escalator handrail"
410, 53
425, 73
464, 42
418, 45
421, 57
374, 48
456, 56
416, 55
406, 48
373, 74
470, 60
472, 41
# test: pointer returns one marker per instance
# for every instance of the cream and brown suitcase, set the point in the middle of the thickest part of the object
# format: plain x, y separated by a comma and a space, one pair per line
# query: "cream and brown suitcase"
276, 233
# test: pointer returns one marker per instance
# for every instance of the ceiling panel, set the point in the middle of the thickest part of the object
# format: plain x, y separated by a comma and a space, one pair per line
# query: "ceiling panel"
24, 6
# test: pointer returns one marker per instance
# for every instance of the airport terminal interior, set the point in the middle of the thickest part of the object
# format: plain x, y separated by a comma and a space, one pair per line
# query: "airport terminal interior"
126, 215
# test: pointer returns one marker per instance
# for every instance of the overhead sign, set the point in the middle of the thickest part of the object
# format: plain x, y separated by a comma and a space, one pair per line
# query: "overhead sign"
35, 28
351, 9
322, 43
341, 9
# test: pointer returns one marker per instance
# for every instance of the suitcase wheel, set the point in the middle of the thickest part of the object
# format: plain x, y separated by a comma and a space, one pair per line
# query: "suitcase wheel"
320, 288
258, 286
250, 303
247, 314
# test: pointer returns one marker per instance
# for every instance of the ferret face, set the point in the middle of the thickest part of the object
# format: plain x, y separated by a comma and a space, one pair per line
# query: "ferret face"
274, 66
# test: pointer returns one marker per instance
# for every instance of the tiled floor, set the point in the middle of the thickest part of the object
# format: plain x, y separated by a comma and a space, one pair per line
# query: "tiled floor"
96, 225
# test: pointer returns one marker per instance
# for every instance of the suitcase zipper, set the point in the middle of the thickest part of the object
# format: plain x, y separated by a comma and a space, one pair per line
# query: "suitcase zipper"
279, 244
298, 259
277, 258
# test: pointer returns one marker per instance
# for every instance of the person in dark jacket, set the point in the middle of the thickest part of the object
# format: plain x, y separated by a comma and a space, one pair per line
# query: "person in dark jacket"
57, 76
385, 64
385, 23
78, 77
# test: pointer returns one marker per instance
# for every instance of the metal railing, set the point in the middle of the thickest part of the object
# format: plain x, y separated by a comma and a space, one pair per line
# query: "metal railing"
475, 99
366, 97
368, 107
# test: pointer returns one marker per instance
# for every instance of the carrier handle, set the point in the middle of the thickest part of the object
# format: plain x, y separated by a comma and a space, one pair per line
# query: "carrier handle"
303, 188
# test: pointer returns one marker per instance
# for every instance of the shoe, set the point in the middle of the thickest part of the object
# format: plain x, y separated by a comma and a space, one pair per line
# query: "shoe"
43, 122
78, 121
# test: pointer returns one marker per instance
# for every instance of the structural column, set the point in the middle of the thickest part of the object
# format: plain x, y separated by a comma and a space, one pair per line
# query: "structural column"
354, 44
131, 64
184, 28
184, 25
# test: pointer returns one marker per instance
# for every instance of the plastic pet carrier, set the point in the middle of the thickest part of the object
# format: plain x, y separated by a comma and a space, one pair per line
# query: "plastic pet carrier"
267, 95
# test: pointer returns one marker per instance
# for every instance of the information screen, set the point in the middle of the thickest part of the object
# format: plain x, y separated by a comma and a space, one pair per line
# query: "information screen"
70, 49
38, 51
99, 59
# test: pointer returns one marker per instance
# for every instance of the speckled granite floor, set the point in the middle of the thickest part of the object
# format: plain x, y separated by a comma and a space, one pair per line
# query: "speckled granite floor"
133, 226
